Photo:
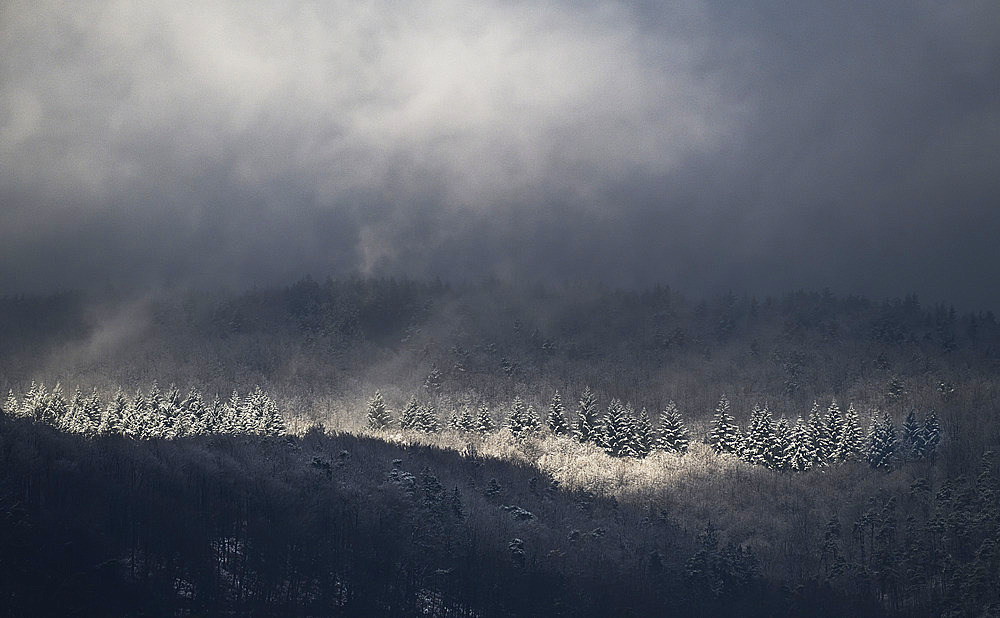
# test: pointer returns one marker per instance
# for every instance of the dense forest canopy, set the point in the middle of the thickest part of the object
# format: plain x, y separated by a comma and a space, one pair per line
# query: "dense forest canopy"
729, 452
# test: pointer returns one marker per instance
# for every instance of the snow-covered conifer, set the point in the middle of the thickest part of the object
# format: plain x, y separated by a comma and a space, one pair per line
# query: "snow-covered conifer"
586, 429
725, 434
378, 414
557, 418
674, 436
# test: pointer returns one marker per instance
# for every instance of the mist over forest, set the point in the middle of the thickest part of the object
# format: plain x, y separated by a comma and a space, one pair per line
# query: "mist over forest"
511, 308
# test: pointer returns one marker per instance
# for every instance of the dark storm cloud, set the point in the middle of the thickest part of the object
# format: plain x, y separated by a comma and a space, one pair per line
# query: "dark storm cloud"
755, 148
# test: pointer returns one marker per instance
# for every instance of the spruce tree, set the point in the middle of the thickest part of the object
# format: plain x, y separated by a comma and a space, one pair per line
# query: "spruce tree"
232, 415
466, 420
92, 413
521, 420
134, 418
557, 417
799, 456
818, 438
378, 414
674, 436
725, 435
484, 422
642, 434
11, 406
274, 420
777, 459
913, 437
759, 441
427, 419
615, 431
931, 435
408, 419
851, 440
834, 427
194, 413
54, 407
882, 444
586, 429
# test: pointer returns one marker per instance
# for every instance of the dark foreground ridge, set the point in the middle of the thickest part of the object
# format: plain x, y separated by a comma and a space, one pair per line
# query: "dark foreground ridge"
339, 524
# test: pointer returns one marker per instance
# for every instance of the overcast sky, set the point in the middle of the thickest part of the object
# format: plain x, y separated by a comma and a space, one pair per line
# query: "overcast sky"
753, 146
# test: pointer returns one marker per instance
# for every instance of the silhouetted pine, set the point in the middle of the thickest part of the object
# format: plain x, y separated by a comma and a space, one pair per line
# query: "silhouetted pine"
913, 437
521, 420
725, 434
882, 443
674, 436
642, 434
931, 435
587, 429
378, 414
557, 418
484, 421
408, 419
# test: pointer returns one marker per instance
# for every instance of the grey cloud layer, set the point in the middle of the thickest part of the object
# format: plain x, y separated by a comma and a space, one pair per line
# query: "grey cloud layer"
702, 146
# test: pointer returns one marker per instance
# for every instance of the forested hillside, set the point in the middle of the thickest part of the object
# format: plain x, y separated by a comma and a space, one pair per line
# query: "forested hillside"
399, 448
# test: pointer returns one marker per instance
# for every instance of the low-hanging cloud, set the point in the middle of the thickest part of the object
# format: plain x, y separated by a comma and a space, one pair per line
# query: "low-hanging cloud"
696, 144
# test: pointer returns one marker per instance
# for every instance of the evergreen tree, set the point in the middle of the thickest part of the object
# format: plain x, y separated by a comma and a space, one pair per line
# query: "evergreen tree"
521, 420
484, 422
725, 435
799, 455
557, 418
378, 414
408, 419
34, 403
427, 419
781, 447
834, 427
587, 422
882, 443
931, 435
616, 435
851, 442
759, 441
74, 419
134, 419
194, 414
54, 406
819, 446
642, 434
467, 420
92, 413
232, 415
11, 406
274, 420
434, 381
674, 436
913, 437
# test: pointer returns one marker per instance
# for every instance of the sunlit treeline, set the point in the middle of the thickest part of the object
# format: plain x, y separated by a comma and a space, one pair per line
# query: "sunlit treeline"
144, 416
822, 439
